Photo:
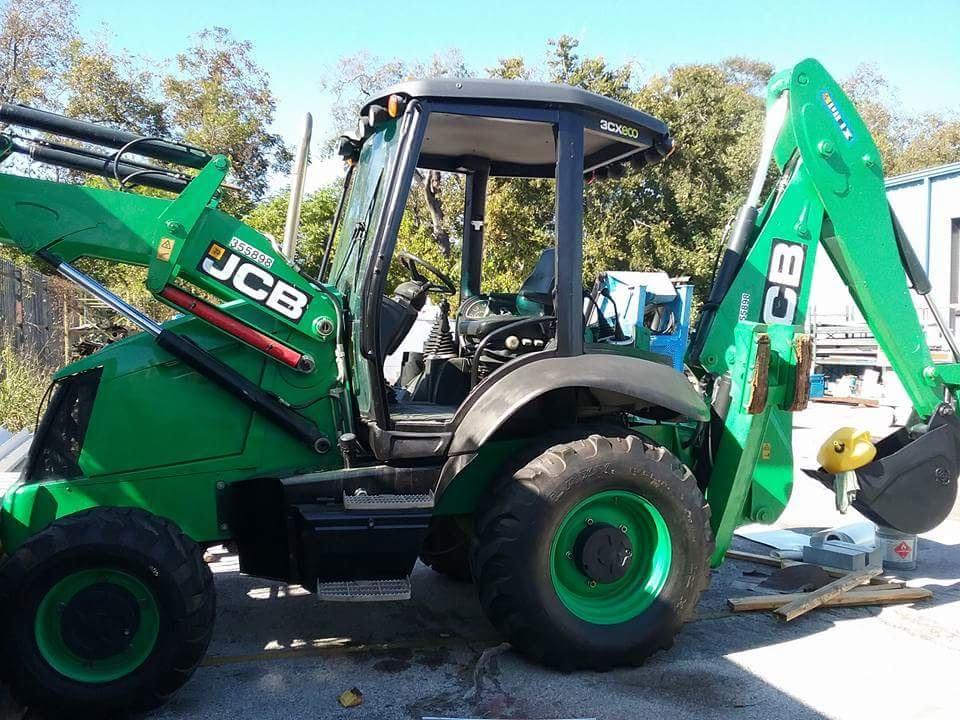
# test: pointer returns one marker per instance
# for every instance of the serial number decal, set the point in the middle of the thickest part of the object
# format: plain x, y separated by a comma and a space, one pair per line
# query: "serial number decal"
782, 290
254, 282
618, 129
249, 251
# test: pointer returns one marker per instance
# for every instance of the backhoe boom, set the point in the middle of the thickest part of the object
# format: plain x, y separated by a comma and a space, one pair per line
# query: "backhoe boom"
751, 343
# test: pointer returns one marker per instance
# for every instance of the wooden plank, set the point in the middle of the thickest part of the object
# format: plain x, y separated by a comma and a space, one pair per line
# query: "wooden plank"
838, 587
861, 596
865, 402
783, 563
892, 585
753, 557
832, 572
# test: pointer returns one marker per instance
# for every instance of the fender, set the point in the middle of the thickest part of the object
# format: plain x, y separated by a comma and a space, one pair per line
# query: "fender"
645, 380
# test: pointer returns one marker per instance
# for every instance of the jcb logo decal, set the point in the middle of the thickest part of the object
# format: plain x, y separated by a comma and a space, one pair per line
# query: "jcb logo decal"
618, 129
784, 276
254, 282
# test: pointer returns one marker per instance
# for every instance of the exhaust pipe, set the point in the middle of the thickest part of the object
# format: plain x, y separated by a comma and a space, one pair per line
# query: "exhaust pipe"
296, 190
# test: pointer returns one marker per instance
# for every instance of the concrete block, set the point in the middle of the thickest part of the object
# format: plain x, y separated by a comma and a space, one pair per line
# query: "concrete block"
843, 556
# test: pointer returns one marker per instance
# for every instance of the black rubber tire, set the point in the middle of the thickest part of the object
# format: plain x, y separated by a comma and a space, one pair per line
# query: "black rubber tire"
446, 549
153, 550
514, 528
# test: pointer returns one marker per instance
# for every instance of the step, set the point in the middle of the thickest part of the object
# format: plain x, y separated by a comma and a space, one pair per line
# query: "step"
364, 590
422, 501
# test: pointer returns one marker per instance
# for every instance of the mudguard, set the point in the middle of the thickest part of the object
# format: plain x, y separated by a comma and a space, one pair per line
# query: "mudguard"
646, 381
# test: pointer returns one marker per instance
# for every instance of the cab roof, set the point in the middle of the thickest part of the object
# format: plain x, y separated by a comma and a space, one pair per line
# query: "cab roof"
613, 131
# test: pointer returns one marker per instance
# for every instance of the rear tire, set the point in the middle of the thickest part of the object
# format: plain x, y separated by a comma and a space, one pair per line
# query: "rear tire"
533, 565
106, 611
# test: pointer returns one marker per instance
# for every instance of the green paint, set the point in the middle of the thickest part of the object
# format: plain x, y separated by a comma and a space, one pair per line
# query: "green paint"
467, 487
48, 628
161, 437
628, 597
678, 438
834, 198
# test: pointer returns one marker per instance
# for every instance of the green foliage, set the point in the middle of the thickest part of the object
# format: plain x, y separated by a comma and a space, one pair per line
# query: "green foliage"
23, 380
109, 88
936, 142
519, 225
221, 100
685, 202
316, 219
669, 216
34, 39
416, 234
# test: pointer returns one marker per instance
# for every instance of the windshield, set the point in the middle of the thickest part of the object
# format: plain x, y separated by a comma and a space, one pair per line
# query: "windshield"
368, 185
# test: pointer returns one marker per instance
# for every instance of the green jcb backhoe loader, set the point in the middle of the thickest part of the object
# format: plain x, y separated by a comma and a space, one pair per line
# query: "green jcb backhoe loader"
584, 482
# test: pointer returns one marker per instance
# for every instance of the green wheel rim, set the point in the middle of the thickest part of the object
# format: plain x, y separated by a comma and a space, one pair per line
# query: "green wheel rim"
56, 649
627, 597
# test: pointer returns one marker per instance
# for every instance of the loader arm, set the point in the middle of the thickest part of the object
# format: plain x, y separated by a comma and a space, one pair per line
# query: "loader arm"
751, 350
190, 248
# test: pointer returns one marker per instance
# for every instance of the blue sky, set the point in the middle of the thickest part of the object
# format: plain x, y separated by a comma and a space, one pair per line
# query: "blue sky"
916, 44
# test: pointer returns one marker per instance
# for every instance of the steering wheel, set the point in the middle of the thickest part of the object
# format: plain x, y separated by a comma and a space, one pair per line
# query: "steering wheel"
413, 264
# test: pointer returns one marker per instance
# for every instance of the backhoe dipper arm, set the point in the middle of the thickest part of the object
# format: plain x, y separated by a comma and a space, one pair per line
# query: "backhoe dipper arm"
751, 348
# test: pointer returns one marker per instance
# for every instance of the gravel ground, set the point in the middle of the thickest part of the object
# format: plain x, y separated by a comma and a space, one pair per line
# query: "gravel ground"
277, 653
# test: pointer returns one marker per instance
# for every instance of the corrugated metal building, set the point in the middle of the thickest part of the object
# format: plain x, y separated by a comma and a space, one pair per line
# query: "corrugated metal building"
927, 202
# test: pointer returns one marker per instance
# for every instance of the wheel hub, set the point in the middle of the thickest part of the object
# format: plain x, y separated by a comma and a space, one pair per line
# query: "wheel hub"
97, 625
100, 621
610, 557
603, 552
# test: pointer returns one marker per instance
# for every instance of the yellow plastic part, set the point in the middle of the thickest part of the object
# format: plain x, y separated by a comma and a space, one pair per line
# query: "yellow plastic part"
847, 449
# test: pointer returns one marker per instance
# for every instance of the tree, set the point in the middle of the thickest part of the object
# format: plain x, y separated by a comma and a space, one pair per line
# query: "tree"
716, 122
667, 217
316, 219
34, 38
353, 82
877, 104
511, 68
114, 89
220, 99
354, 79
935, 141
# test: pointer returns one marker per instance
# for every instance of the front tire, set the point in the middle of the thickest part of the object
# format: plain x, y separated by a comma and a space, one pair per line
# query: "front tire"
106, 611
594, 553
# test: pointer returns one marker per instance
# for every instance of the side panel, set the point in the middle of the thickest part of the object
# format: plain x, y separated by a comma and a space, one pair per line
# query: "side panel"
162, 438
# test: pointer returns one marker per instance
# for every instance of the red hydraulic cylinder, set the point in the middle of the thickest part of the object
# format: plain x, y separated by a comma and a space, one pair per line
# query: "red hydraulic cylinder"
230, 325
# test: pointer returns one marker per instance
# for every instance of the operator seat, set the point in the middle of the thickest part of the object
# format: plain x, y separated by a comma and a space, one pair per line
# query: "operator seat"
481, 314
399, 313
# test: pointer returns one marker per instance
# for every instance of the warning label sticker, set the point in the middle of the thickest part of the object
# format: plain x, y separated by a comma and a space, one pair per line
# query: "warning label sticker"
165, 249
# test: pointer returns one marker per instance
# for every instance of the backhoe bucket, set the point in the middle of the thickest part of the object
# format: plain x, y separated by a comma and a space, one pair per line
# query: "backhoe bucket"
911, 486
